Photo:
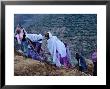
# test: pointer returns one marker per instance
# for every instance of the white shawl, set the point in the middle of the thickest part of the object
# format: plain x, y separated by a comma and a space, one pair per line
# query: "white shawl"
55, 44
34, 37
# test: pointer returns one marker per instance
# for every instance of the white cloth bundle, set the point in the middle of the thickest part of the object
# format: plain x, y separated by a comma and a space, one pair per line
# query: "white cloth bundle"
35, 37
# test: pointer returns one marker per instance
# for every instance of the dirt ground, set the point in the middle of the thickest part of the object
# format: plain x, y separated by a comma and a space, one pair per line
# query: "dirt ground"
29, 67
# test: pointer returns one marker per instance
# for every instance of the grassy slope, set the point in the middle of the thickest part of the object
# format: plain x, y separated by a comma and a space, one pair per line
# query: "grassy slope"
29, 67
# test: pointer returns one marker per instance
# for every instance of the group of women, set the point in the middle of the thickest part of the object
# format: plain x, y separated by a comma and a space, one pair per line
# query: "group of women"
31, 45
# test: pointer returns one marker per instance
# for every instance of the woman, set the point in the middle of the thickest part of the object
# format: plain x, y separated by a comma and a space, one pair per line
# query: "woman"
34, 46
22, 42
26, 40
81, 63
36, 41
57, 49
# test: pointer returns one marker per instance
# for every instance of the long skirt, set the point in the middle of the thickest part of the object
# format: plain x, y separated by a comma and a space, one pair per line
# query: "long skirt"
63, 60
37, 46
34, 55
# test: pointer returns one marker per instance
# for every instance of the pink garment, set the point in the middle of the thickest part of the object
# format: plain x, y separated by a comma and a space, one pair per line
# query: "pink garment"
18, 38
20, 35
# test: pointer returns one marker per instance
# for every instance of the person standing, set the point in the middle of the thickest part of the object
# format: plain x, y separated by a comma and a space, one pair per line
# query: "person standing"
81, 63
57, 50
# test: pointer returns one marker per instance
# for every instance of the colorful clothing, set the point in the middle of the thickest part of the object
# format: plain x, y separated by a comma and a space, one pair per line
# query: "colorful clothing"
63, 60
18, 38
57, 49
24, 41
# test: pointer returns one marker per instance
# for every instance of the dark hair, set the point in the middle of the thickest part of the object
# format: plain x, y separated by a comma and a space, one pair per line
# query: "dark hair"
23, 31
77, 56
24, 37
65, 44
40, 40
21, 27
18, 31
47, 35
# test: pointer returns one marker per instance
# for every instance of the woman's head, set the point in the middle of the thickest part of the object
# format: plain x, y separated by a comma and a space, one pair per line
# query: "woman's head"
77, 56
18, 31
47, 35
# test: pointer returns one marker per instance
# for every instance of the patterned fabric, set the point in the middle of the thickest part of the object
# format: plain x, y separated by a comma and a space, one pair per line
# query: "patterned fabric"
34, 53
63, 60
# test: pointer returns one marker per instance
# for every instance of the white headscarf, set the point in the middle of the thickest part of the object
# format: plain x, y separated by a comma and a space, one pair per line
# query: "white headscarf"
50, 35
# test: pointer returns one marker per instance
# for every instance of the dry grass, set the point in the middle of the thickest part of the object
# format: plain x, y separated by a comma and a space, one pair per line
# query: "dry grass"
29, 67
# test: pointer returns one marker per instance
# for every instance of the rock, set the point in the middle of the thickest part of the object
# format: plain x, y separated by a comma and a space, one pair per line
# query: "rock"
89, 66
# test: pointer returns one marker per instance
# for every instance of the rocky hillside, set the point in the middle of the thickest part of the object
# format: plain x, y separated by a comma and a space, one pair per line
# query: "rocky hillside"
29, 67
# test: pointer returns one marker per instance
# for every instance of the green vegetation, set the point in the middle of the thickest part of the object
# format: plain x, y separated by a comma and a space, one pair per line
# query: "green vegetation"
79, 31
